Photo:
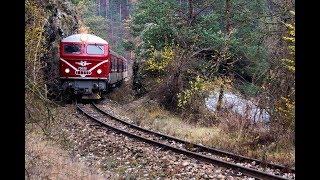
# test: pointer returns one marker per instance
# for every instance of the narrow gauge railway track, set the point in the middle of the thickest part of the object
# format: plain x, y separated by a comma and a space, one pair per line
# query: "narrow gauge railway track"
197, 151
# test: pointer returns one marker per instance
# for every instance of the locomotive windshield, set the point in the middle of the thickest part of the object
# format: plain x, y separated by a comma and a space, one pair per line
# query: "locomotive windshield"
95, 49
72, 48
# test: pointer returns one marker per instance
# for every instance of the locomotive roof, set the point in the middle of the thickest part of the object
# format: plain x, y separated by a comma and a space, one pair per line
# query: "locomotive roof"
116, 54
90, 38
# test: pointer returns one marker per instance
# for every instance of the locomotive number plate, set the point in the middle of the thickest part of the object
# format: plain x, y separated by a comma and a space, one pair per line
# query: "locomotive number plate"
83, 72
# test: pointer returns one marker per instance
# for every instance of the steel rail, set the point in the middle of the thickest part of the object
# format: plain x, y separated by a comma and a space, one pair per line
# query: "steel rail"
246, 171
203, 148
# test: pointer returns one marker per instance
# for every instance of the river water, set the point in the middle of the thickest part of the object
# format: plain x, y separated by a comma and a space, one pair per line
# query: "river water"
237, 104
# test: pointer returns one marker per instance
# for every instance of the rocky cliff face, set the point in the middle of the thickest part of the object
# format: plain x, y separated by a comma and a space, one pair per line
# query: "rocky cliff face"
62, 20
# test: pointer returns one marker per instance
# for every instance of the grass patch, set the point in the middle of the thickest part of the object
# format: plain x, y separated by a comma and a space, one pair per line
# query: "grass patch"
231, 134
44, 159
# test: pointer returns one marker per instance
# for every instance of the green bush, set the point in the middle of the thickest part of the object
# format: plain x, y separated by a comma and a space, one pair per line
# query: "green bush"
248, 89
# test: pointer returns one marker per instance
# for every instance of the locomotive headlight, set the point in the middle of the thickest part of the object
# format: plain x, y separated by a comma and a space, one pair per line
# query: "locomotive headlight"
67, 70
99, 71
83, 37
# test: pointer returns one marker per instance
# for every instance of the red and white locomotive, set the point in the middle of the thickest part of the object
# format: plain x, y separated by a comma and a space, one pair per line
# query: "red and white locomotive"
88, 67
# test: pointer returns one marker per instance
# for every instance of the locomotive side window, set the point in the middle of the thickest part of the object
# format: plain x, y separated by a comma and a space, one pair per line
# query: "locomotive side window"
72, 48
114, 64
95, 49
120, 66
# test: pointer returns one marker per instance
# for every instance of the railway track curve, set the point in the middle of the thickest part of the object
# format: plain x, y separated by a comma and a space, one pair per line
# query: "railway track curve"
246, 166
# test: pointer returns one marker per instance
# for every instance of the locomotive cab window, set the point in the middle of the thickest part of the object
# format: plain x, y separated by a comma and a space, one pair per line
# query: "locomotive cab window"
95, 49
72, 48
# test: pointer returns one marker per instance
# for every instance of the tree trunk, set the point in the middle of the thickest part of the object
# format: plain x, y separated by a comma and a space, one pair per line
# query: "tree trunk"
228, 16
98, 7
219, 103
190, 10
107, 8
228, 28
120, 11
124, 9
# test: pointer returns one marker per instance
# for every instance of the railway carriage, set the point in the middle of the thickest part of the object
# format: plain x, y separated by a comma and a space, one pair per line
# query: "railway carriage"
88, 67
118, 70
